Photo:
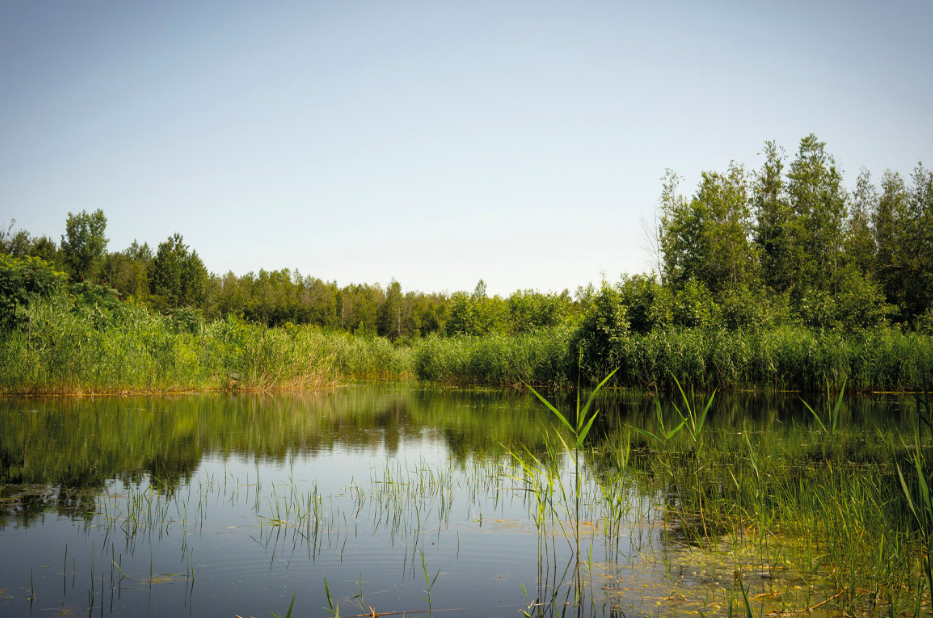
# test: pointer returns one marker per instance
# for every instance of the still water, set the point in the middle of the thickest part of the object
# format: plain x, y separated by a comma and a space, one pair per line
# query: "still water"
403, 498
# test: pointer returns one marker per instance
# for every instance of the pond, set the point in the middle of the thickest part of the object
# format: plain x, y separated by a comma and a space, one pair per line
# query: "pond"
384, 498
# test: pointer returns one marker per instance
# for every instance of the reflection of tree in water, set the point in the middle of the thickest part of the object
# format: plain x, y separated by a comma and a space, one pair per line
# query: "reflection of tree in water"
20, 506
71, 448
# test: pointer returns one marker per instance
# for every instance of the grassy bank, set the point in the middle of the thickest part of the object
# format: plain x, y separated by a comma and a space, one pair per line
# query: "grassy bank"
497, 360
64, 345
73, 350
794, 358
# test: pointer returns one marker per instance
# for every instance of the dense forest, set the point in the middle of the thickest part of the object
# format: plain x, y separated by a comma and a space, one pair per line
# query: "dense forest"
786, 248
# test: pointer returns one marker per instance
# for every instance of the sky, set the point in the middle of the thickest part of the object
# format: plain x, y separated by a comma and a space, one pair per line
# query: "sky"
434, 143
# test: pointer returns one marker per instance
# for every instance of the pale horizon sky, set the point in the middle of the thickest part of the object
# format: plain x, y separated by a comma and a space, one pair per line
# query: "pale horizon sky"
434, 143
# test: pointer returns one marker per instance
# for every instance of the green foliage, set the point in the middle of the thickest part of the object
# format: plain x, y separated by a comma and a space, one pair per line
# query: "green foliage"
741, 308
818, 204
389, 314
21, 281
707, 238
603, 331
530, 310
91, 342
648, 304
832, 414
127, 274
84, 244
694, 306
178, 278
15, 244
859, 242
542, 357
774, 229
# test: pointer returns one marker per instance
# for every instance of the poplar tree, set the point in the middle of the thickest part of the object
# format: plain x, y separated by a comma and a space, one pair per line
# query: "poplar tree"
84, 244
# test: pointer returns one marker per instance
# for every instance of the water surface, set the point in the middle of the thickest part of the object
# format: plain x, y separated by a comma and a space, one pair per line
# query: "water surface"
404, 498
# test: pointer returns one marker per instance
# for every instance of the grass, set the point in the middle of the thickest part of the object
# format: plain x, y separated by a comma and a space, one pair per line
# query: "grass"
780, 358
75, 348
133, 350
542, 357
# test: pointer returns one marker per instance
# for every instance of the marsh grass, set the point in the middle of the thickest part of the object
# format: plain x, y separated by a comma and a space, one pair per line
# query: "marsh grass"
541, 357
779, 358
67, 351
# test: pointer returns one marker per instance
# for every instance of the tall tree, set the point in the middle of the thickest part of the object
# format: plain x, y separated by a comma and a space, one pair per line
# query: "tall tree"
12, 243
389, 318
708, 239
179, 278
84, 244
774, 233
920, 242
860, 241
891, 226
818, 204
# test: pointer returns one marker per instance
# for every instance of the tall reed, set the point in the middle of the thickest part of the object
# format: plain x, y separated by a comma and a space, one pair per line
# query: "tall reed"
69, 350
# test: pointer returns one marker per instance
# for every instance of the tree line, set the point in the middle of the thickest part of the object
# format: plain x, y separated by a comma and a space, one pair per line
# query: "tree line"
173, 280
786, 244
789, 240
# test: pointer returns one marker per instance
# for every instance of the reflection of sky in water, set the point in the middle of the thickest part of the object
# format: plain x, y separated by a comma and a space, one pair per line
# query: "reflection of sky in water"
365, 453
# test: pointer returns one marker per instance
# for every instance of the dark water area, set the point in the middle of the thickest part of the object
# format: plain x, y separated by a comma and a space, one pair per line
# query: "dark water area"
403, 497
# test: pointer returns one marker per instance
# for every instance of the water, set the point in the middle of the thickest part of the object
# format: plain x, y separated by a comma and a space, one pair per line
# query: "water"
404, 498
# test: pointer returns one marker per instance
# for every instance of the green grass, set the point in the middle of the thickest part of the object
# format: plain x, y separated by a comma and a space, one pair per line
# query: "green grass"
782, 358
70, 348
69, 351
542, 357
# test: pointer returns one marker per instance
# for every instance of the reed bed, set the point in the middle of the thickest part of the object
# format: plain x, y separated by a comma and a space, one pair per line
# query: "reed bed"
542, 357
63, 351
788, 358
780, 358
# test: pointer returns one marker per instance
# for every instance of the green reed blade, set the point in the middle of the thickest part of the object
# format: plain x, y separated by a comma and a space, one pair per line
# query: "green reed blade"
586, 430
815, 415
550, 407
593, 394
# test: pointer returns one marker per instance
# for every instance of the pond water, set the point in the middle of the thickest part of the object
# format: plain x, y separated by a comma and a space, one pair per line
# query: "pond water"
403, 498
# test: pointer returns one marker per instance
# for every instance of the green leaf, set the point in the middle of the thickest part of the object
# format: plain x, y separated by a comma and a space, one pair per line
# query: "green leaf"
551, 408
593, 394
910, 501
647, 434
586, 429
815, 415
838, 405
673, 432
709, 404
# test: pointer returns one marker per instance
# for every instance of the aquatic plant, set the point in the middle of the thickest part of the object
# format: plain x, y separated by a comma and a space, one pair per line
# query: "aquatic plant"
583, 422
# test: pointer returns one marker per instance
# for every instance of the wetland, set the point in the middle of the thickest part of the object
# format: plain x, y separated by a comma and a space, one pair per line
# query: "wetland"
395, 497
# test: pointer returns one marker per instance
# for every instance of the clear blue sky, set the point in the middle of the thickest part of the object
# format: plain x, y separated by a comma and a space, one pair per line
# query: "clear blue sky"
436, 143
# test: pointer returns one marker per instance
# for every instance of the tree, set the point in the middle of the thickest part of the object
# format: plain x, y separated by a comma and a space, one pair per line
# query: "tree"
860, 242
84, 244
15, 244
179, 278
773, 231
389, 318
891, 227
919, 262
126, 275
708, 238
818, 204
